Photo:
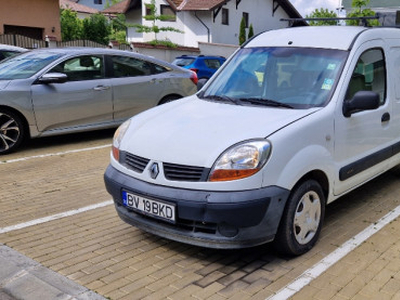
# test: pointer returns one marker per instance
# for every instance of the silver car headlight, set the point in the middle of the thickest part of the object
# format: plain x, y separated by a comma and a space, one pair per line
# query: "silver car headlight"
118, 136
241, 160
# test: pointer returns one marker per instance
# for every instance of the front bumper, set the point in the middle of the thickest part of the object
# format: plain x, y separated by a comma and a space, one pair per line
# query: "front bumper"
214, 219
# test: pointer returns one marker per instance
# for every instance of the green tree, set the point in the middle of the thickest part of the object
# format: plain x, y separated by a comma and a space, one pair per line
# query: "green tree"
358, 11
118, 29
71, 25
153, 16
96, 28
322, 13
242, 31
251, 32
111, 3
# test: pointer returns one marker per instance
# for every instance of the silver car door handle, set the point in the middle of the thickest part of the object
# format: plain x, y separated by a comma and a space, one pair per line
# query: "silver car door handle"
101, 87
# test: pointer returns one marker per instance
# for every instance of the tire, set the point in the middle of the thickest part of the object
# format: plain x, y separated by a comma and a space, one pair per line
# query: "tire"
168, 99
302, 219
12, 131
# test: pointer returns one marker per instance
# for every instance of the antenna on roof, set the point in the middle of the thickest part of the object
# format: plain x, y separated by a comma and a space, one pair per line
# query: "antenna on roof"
363, 21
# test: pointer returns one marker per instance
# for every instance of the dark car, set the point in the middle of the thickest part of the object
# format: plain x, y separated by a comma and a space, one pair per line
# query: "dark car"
7, 51
204, 66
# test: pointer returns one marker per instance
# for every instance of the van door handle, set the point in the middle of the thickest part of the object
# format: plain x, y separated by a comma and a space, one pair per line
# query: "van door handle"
385, 117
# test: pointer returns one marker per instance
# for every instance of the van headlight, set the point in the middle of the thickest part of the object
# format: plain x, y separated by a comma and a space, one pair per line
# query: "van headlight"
118, 135
241, 160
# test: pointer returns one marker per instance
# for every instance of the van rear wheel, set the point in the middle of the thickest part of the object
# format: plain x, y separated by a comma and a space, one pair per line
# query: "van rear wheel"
302, 219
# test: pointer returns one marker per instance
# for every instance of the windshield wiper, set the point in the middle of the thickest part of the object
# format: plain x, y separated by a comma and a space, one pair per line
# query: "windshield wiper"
223, 98
266, 102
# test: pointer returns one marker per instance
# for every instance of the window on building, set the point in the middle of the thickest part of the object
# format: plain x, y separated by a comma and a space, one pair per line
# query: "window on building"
98, 1
225, 16
148, 11
168, 12
246, 19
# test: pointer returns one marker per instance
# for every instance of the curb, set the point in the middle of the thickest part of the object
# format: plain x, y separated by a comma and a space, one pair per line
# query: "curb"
24, 278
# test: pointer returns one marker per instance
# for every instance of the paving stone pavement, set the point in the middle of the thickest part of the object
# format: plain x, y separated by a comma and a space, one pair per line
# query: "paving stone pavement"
95, 254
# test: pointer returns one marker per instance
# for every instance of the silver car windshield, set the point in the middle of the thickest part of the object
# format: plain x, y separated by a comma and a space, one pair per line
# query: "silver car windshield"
25, 65
281, 77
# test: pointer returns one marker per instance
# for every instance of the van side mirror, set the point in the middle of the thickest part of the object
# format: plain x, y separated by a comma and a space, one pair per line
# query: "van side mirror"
362, 100
53, 78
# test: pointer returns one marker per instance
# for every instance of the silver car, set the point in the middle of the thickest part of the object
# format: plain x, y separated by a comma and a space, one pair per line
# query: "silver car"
8, 50
55, 91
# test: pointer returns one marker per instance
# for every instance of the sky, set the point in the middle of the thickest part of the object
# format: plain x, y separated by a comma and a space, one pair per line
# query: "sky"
305, 7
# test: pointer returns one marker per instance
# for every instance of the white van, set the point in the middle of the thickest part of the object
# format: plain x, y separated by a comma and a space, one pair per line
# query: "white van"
295, 119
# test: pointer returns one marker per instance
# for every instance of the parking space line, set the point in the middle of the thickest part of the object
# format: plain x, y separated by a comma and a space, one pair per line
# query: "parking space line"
319, 268
55, 217
54, 154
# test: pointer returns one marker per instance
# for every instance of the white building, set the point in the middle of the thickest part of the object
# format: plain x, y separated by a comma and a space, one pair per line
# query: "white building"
213, 21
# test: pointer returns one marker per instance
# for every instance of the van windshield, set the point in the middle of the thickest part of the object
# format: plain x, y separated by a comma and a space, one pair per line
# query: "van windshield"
281, 77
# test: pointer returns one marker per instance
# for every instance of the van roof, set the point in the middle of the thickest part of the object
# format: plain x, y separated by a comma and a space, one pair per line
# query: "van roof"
330, 37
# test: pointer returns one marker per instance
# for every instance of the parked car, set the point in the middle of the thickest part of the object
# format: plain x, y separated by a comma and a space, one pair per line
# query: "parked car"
204, 66
54, 91
254, 158
7, 51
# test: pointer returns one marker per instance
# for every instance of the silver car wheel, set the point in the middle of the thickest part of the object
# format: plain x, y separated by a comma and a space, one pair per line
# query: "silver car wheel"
307, 217
10, 132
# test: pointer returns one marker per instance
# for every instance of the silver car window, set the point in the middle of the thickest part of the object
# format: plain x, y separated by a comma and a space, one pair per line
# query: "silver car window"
87, 67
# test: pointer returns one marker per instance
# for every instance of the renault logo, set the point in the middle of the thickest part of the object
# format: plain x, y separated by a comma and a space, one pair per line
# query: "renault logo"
154, 170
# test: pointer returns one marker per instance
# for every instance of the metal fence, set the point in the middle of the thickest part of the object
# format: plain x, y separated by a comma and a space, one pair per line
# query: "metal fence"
80, 43
21, 41
29, 43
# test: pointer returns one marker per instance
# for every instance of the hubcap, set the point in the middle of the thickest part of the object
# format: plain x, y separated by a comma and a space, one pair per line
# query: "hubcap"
307, 217
9, 132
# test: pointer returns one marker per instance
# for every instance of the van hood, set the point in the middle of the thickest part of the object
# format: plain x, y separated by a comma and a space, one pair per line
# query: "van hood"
195, 132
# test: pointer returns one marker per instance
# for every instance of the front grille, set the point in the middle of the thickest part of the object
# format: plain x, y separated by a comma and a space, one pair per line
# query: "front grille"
135, 163
195, 226
185, 173
172, 172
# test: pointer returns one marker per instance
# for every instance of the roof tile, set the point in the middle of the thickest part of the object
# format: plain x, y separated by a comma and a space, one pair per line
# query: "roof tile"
68, 4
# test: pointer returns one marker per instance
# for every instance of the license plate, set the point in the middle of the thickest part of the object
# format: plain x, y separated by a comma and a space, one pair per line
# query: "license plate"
150, 207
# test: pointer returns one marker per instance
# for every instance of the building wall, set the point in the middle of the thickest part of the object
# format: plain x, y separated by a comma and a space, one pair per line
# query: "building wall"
260, 16
376, 5
91, 3
201, 27
39, 15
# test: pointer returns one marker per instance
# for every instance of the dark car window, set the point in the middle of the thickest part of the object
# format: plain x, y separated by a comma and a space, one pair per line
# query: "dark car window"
81, 68
5, 53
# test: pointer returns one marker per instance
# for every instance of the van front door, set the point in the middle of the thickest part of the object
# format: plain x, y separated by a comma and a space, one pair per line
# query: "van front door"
363, 139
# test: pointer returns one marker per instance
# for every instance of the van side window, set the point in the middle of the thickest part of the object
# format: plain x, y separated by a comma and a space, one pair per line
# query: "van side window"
369, 75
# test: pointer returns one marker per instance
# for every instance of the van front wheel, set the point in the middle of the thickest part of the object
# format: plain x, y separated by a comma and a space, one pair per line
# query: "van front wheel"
302, 219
